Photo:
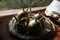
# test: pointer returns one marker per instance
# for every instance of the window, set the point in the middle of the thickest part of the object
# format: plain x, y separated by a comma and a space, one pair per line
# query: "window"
17, 4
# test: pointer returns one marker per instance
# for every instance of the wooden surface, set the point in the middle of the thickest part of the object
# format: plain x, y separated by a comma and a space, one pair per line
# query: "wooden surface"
4, 33
57, 33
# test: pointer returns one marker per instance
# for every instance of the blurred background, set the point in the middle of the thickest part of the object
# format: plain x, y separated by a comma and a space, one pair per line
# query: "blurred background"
17, 4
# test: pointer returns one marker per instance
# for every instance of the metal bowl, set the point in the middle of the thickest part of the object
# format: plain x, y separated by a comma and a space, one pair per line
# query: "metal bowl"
46, 29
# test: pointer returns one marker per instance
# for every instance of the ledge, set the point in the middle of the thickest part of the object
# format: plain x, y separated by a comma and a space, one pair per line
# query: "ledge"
14, 11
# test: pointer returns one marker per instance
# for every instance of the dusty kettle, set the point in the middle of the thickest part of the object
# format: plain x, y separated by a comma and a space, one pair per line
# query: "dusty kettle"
30, 26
